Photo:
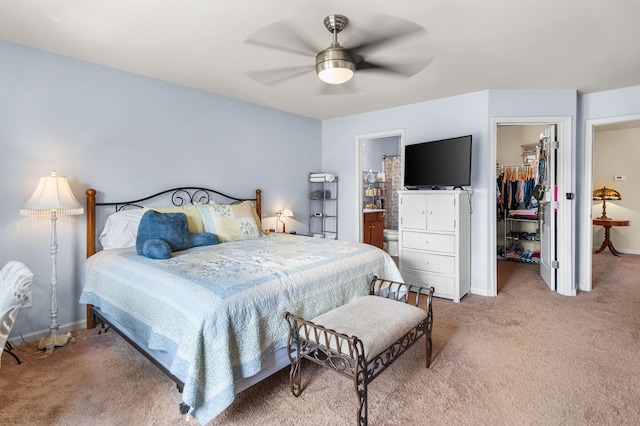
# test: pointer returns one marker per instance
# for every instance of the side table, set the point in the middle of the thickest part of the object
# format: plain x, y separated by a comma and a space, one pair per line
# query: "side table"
607, 224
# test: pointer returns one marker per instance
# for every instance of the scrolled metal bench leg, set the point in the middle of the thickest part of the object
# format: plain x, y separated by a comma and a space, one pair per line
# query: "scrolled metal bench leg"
295, 377
428, 342
293, 351
362, 403
361, 381
429, 326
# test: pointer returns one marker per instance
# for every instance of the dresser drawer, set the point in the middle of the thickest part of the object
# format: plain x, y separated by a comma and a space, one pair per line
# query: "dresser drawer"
444, 286
432, 242
428, 262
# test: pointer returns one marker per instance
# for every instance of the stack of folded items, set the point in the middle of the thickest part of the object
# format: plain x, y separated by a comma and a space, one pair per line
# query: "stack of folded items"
525, 214
322, 177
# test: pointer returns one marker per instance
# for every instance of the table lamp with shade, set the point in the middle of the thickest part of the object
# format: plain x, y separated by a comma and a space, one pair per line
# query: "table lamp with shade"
53, 198
280, 214
603, 194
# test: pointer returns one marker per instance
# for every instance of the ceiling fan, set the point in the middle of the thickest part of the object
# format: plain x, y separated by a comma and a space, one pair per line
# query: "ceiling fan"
336, 64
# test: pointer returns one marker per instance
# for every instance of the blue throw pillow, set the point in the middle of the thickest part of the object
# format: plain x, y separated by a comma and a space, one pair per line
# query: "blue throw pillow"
159, 234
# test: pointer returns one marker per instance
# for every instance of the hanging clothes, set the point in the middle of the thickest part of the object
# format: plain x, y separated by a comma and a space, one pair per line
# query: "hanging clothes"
515, 189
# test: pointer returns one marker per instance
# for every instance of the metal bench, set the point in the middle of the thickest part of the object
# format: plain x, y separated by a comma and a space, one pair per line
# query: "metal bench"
362, 338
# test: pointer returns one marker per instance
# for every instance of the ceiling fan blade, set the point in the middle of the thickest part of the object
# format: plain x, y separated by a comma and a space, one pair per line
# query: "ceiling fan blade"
283, 37
405, 70
279, 75
385, 34
364, 65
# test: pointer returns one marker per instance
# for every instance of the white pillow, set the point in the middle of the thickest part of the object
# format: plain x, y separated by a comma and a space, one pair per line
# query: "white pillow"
121, 229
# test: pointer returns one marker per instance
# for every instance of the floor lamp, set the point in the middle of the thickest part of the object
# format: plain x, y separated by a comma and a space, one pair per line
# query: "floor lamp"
53, 197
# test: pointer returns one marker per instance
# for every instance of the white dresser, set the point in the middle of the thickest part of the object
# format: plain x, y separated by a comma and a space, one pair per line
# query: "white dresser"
434, 238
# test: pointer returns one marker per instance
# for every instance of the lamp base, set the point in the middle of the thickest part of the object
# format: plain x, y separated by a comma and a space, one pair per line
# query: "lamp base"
50, 343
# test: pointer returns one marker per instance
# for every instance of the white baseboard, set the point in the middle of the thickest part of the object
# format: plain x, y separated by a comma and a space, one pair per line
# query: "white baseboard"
481, 292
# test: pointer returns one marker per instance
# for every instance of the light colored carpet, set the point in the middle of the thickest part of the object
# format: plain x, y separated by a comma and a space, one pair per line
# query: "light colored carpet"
526, 357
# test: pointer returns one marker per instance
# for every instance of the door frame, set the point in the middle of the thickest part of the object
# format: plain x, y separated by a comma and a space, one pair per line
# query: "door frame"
564, 240
359, 149
586, 228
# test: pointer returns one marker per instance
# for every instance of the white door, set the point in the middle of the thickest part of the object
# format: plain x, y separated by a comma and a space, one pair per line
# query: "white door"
548, 207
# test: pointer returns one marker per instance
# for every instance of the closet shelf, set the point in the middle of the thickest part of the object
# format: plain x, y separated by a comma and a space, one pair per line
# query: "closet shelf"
519, 244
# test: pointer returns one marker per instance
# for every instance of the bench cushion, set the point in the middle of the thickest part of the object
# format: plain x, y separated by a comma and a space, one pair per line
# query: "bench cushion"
377, 321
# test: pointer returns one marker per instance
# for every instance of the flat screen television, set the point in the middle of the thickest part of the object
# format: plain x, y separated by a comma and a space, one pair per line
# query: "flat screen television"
436, 164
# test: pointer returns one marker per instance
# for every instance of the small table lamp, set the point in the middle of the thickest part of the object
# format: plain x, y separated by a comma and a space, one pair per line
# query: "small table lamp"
280, 214
603, 194
53, 197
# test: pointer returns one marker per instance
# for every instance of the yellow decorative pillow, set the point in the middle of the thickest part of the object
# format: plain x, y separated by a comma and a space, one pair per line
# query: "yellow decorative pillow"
193, 216
230, 222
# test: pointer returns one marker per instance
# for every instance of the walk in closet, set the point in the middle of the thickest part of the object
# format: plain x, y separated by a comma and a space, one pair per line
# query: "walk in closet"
519, 177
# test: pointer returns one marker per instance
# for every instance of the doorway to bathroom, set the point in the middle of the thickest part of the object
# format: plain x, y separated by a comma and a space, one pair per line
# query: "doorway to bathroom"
379, 172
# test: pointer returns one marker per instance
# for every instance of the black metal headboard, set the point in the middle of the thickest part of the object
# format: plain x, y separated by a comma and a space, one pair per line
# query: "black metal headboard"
179, 197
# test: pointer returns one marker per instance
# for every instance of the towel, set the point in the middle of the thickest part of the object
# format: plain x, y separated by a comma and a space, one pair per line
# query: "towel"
322, 177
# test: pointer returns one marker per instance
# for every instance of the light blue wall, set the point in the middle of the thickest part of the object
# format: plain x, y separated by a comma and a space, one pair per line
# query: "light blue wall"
439, 119
128, 136
612, 103
374, 151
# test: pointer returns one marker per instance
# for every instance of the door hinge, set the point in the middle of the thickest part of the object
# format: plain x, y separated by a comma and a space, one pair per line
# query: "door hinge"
555, 264
555, 145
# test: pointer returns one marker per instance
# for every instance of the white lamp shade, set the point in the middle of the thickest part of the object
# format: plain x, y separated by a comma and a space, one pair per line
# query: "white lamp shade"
52, 194
284, 213
335, 75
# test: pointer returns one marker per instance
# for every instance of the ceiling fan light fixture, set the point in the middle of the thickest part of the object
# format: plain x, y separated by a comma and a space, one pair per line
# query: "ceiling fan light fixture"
334, 66
335, 72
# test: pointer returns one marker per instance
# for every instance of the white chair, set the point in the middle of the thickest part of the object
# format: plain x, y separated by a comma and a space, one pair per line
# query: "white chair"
15, 281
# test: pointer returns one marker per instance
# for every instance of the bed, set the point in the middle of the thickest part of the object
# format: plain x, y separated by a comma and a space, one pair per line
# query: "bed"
211, 317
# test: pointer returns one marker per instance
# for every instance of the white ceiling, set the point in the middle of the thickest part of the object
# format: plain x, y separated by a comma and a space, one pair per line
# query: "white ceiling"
469, 45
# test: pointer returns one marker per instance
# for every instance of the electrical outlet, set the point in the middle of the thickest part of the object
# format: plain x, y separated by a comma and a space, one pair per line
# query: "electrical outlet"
28, 301
619, 177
